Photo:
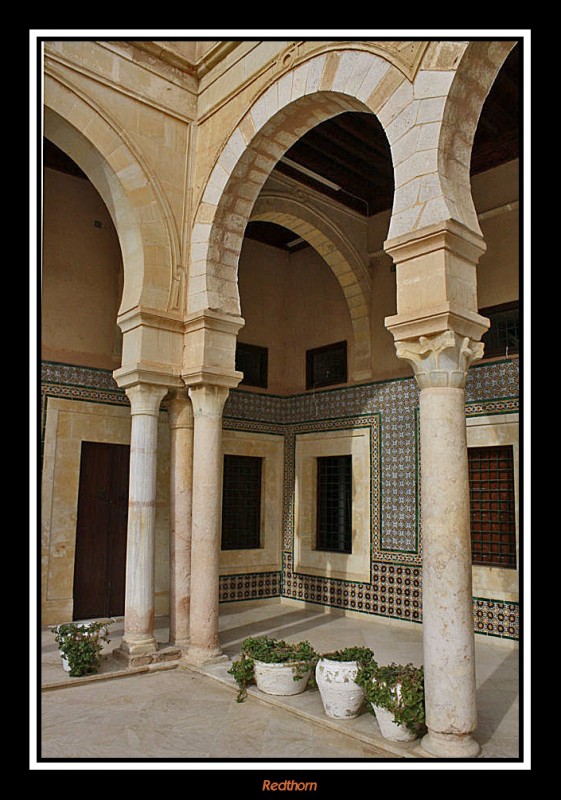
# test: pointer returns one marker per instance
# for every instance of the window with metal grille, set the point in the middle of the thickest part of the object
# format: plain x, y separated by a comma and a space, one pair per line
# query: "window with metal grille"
241, 502
492, 509
326, 365
503, 337
334, 503
252, 360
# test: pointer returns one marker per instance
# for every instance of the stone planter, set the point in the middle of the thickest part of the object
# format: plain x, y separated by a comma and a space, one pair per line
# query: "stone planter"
279, 679
342, 698
389, 728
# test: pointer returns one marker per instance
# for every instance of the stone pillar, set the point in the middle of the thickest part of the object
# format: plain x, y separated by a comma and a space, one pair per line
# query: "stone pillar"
208, 403
139, 637
441, 363
437, 329
181, 468
209, 373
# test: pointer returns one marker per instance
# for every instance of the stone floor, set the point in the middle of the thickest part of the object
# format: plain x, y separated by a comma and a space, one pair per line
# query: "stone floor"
175, 713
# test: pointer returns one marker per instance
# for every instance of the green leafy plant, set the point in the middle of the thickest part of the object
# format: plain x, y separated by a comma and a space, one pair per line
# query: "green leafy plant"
300, 655
81, 644
362, 655
399, 689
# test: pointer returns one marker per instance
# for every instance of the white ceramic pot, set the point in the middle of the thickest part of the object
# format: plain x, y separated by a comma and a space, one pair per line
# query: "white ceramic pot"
389, 728
279, 678
342, 698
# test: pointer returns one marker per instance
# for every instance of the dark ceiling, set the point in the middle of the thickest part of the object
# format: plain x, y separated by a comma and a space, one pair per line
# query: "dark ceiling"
352, 152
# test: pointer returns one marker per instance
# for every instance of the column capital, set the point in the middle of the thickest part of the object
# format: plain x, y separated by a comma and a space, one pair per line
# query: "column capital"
145, 398
208, 399
442, 360
180, 409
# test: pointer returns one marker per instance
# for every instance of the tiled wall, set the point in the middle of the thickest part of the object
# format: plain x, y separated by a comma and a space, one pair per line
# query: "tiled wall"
390, 408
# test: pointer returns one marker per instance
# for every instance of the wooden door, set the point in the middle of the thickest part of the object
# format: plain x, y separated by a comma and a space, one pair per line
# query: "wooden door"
101, 531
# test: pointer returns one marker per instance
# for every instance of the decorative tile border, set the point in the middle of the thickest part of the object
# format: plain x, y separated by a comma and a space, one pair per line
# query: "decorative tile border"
394, 591
492, 380
496, 618
249, 586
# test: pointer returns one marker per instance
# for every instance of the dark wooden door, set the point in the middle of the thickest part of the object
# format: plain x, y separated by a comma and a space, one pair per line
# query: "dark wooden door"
101, 531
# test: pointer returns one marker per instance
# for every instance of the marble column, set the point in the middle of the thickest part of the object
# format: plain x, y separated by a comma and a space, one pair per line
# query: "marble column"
438, 329
208, 403
145, 402
181, 468
441, 363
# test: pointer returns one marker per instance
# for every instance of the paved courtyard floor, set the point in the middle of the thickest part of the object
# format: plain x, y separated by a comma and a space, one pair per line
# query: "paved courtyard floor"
174, 716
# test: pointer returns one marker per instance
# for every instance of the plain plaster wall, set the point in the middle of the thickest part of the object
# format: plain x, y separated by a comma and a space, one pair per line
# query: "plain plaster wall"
291, 303
81, 275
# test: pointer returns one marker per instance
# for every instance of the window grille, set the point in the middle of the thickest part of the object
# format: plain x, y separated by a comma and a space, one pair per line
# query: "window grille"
503, 337
252, 360
326, 365
241, 502
334, 504
492, 509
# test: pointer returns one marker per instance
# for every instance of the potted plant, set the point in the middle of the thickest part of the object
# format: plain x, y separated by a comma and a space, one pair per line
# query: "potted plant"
80, 645
275, 666
341, 695
396, 695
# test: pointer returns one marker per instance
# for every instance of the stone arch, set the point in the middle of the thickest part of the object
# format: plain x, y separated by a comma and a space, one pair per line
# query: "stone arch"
341, 258
318, 88
420, 117
431, 137
474, 78
149, 244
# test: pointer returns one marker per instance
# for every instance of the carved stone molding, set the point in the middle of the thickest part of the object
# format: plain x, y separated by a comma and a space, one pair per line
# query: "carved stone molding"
442, 360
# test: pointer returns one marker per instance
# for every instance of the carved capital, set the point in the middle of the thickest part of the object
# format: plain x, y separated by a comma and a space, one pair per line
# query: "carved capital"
145, 399
208, 400
180, 409
442, 360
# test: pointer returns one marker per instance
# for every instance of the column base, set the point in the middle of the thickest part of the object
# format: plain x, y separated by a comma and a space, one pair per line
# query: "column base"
141, 646
198, 656
183, 644
162, 653
450, 745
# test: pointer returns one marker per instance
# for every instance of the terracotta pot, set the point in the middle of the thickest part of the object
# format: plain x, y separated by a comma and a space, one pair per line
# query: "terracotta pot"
278, 679
342, 698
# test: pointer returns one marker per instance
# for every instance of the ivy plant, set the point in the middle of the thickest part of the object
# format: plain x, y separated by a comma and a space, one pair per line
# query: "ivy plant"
81, 644
399, 688
300, 655
362, 655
